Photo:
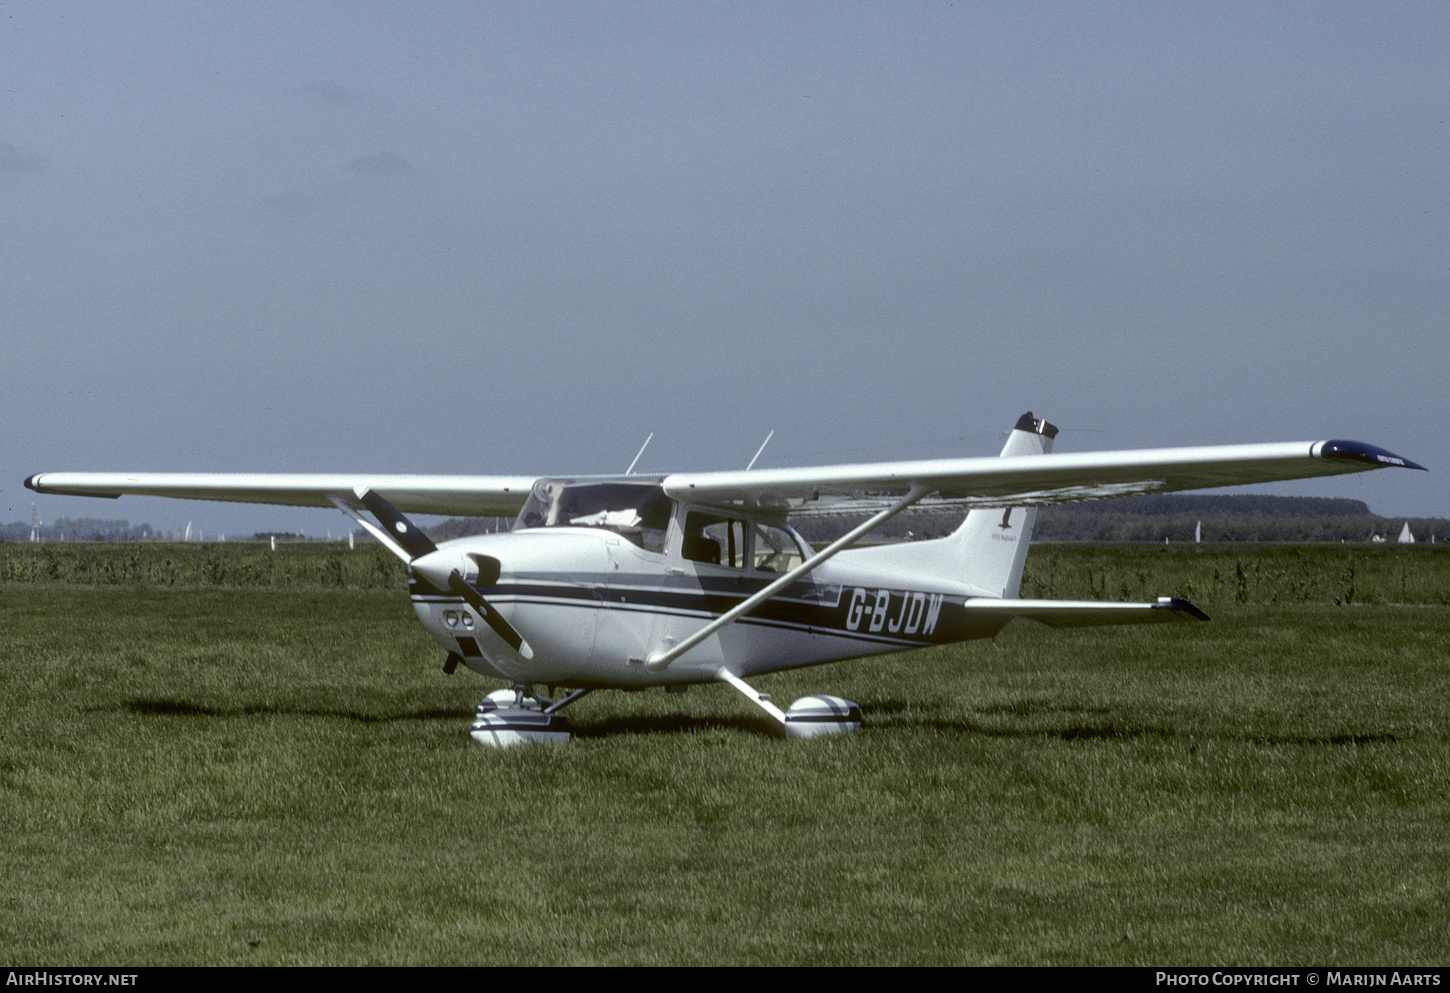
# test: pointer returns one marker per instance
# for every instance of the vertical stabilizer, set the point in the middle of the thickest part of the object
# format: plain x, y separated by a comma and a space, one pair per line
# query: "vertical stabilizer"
993, 542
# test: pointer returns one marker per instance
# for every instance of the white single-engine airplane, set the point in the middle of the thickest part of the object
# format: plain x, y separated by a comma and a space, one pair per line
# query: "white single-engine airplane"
628, 582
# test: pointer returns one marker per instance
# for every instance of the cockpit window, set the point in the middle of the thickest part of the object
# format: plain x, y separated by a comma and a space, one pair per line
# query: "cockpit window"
637, 511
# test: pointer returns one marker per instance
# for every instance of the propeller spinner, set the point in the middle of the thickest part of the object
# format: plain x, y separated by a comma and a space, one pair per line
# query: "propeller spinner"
456, 572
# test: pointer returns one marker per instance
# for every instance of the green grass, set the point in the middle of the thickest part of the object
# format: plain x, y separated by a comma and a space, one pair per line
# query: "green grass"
214, 774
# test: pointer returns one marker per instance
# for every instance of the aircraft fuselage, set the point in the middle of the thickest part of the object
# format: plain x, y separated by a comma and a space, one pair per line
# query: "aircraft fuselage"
590, 601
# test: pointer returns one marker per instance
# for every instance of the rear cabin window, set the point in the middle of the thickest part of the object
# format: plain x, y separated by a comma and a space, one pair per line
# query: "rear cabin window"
715, 539
776, 549
739, 544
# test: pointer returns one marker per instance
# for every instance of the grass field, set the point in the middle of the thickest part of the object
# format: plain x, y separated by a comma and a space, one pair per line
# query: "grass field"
215, 770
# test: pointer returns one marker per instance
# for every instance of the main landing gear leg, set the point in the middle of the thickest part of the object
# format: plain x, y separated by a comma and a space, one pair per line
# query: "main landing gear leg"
554, 708
807, 717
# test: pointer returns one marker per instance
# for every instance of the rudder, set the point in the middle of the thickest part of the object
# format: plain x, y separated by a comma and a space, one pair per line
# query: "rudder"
992, 542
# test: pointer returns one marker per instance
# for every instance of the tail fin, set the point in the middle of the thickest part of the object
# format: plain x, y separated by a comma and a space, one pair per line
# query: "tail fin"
992, 543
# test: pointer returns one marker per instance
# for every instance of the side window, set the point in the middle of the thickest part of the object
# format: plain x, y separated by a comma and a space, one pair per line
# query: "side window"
714, 539
776, 549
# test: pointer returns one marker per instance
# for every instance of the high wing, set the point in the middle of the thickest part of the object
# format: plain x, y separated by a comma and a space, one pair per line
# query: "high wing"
1019, 481
461, 496
1027, 480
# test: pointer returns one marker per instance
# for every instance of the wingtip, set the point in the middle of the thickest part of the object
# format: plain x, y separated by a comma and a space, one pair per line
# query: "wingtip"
1359, 451
1183, 606
34, 483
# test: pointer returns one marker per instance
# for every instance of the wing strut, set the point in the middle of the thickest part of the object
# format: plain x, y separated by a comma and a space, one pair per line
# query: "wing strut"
659, 660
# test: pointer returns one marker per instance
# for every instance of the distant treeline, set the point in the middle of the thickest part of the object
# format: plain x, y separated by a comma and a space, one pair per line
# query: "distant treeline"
94, 529
79, 529
462, 527
1175, 517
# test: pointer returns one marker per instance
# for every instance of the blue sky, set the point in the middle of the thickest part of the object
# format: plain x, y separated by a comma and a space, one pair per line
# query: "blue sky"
424, 237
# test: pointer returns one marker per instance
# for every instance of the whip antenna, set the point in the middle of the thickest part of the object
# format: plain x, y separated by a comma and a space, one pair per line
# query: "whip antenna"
630, 470
761, 449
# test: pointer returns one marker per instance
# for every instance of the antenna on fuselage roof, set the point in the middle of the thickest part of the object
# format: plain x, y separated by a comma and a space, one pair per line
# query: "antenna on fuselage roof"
761, 449
630, 470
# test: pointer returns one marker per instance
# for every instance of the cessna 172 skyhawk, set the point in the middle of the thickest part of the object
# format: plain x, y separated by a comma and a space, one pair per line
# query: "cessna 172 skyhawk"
628, 582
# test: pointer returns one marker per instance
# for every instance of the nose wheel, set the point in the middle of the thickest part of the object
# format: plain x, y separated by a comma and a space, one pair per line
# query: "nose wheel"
519, 715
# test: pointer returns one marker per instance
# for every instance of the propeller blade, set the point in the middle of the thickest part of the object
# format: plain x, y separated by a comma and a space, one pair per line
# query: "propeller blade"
491, 617
404, 531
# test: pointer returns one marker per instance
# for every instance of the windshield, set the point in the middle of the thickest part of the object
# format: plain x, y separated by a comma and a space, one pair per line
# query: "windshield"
638, 511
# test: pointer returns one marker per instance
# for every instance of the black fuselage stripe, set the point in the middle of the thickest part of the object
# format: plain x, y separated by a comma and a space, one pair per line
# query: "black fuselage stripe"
820, 630
811, 617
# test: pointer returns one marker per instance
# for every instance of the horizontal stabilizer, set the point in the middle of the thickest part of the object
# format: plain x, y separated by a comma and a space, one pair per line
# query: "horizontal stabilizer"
1088, 613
